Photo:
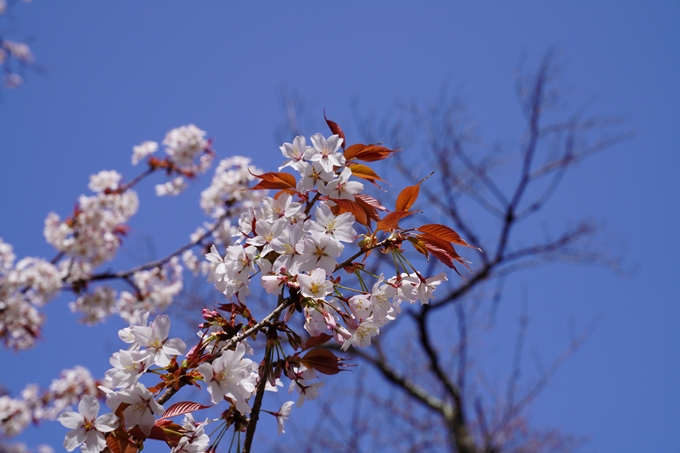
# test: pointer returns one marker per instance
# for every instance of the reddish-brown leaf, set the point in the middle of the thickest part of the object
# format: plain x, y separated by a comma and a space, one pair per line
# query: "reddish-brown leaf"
352, 151
181, 408
323, 361
335, 129
165, 430
373, 153
441, 243
275, 180
442, 256
369, 200
445, 246
316, 341
368, 153
368, 204
113, 444
158, 431
419, 246
391, 220
407, 197
353, 208
445, 233
364, 172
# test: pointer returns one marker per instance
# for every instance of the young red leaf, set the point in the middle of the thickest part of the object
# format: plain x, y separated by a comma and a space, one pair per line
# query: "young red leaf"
443, 245
352, 267
113, 444
181, 408
275, 180
323, 361
407, 197
445, 233
419, 246
316, 341
352, 151
391, 220
373, 153
364, 172
158, 431
442, 256
368, 204
369, 200
335, 129
353, 208
121, 444
368, 153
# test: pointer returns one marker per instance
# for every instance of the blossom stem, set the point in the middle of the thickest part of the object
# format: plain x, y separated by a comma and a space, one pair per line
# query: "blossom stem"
257, 405
137, 179
237, 339
160, 262
311, 203
359, 253
361, 281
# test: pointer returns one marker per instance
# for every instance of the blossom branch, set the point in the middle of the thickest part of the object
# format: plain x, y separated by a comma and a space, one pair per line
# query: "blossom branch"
161, 261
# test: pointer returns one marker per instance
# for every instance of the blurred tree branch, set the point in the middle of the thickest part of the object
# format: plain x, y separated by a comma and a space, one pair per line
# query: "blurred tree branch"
470, 177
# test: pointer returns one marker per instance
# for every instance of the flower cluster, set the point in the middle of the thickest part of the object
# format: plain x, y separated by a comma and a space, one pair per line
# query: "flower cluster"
228, 188
188, 153
68, 389
92, 235
290, 248
306, 246
24, 287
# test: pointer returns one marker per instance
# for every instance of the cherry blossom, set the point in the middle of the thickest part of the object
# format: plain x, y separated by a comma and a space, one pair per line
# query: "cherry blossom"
184, 143
105, 179
427, 287
171, 188
231, 376
155, 337
15, 415
282, 415
315, 285
193, 439
342, 188
285, 245
128, 366
325, 153
312, 173
364, 332
142, 150
284, 206
86, 428
96, 305
143, 408
318, 252
299, 382
338, 228
227, 189
296, 152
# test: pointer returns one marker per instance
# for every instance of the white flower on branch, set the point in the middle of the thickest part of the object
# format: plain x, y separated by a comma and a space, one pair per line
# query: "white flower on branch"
86, 427
231, 376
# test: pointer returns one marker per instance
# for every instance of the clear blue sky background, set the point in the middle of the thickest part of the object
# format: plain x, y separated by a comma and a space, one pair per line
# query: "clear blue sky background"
124, 72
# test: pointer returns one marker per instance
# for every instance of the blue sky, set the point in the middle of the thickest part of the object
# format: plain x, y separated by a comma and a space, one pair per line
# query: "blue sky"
121, 73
